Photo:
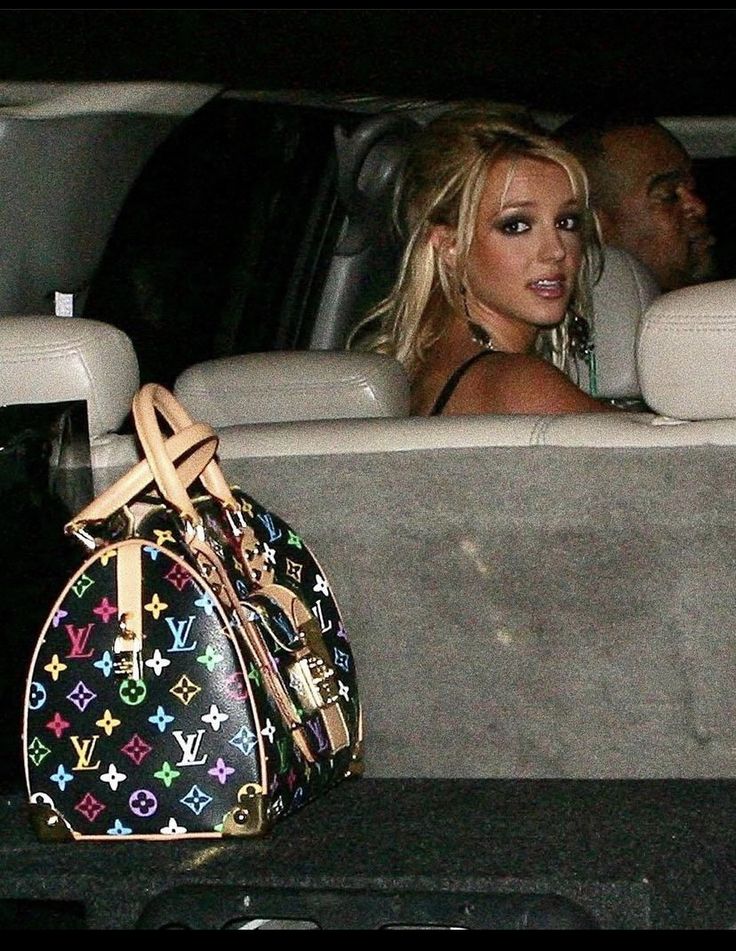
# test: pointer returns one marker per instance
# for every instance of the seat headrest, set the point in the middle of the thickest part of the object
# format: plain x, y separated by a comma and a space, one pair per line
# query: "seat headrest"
622, 294
686, 352
54, 359
288, 385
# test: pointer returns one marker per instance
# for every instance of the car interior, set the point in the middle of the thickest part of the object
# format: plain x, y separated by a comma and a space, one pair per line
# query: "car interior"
467, 551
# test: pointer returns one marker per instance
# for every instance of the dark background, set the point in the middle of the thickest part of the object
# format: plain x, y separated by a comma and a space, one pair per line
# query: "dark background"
669, 61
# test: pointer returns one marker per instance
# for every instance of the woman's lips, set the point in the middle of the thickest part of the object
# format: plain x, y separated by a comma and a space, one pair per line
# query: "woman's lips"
549, 288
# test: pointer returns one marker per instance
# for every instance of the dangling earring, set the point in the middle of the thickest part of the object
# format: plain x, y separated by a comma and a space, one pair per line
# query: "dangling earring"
582, 347
581, 339
479, 334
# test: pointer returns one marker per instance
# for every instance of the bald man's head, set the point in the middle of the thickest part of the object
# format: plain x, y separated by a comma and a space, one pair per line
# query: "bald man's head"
643, 191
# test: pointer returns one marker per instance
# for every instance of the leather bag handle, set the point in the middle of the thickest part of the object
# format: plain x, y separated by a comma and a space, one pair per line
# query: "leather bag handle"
189, 451
149, 402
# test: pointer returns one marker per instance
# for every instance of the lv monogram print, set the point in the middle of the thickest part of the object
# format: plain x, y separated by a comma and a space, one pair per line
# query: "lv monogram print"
155, 754
157, 739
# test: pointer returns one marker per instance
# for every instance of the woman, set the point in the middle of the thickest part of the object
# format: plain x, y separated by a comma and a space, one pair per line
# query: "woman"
490, 310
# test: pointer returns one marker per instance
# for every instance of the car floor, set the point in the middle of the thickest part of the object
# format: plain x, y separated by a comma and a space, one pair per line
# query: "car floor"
475, 854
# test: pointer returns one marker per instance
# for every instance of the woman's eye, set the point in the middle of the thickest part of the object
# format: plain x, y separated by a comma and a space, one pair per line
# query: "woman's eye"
514, 226
569, 223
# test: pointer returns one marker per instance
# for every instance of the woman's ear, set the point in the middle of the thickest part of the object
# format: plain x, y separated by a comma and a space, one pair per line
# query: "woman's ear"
442, 239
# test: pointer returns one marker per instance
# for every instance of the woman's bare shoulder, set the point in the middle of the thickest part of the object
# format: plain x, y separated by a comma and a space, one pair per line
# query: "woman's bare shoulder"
519, 383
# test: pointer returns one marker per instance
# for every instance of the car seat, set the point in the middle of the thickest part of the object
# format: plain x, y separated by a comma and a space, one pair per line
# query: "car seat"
279, 386
45, 359
686, 352
621, 295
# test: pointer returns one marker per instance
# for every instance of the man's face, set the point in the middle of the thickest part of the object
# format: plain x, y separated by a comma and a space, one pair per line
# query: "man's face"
659, 216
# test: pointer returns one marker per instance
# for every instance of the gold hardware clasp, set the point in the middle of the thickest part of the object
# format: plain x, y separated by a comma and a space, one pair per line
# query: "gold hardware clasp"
251, 816
83, 535
313, 680
128, 650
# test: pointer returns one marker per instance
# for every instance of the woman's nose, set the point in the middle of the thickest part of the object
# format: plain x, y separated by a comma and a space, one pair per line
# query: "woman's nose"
552, 247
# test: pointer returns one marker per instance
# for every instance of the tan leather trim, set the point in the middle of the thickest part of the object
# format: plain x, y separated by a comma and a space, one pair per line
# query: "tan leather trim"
130, 601
335, 727
197, 443
257, 648
151, 400
302, 619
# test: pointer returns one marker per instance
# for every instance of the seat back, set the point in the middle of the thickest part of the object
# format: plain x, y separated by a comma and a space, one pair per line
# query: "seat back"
622, 294
686, 352
54, 359
367, 254
282, 386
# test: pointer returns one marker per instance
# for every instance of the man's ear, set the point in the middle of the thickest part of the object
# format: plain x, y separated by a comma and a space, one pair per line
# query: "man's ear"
442, 239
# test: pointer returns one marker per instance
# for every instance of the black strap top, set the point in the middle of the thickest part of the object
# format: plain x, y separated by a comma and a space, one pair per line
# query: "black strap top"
449, 388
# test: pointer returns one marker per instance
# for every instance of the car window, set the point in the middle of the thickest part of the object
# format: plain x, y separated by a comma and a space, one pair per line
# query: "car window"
716, 178
218, 246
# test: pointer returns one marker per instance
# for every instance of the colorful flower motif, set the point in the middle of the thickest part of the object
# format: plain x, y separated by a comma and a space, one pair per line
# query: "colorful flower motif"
90, 807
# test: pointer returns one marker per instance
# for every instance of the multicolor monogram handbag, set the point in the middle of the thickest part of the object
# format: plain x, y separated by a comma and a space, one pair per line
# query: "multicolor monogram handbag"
194, 678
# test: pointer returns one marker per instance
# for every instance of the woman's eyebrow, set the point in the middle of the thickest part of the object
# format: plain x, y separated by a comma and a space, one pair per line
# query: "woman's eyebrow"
523, 203
572, 202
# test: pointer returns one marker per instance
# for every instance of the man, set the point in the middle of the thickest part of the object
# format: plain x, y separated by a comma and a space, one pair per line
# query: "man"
643, 191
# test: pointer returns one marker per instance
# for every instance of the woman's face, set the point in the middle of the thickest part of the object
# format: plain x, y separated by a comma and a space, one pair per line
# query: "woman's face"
527, 247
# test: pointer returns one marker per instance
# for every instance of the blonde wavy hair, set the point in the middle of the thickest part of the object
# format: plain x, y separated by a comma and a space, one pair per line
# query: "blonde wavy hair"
441, 183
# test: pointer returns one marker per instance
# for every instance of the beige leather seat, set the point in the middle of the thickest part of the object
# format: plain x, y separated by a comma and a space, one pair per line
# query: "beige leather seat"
624, 291
65, 360
686, 352
55, 359
689, 386
281, 386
